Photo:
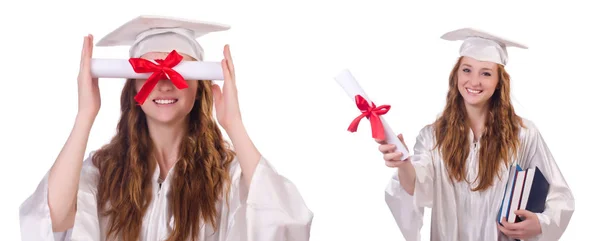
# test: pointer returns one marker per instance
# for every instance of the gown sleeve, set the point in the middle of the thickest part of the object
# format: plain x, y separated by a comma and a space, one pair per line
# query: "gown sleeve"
408, 210
560, 203
269, 209
34, 213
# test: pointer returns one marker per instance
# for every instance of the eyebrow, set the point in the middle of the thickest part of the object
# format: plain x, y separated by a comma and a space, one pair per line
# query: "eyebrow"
468, 65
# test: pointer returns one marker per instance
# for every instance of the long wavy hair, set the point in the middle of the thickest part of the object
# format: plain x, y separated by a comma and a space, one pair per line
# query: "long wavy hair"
499, 140
126, 166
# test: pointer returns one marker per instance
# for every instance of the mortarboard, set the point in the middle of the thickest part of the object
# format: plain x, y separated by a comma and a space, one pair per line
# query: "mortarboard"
481, 45
161, 34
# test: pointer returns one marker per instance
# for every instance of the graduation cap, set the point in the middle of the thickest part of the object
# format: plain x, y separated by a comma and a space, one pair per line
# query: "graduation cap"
481, 45
161, 34
146, 34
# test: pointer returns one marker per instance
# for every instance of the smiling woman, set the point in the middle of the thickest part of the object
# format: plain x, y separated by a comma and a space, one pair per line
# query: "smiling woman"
167, 174
461, 161
477, 81
168, 104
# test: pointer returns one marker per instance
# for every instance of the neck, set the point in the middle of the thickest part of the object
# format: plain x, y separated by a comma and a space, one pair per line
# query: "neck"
476, 116
166, 139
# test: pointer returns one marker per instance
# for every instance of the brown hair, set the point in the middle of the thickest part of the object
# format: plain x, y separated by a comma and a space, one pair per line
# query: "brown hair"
500, 138
126, 165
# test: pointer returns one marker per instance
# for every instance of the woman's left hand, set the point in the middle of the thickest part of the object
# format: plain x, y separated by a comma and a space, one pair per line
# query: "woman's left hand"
226, 102
526, 229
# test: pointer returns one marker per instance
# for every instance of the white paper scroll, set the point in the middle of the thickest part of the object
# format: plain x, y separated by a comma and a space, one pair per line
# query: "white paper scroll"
121, 68
352, 88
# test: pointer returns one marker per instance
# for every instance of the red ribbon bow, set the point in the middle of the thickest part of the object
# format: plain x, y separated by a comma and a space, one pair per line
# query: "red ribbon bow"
372, 113
159, 71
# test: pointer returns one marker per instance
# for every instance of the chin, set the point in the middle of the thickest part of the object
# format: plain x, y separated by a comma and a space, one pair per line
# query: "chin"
164, 119
474, 100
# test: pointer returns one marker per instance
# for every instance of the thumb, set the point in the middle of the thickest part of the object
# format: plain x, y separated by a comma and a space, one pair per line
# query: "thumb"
401, 137
217, 95
523, 213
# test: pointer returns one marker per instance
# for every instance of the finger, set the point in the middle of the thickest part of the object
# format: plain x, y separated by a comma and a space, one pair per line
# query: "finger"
83, 49
524, 214
385, 148
227, 54
509, 226
226, 73
503, 229
393, 163
91, 44
401, 137
508, 231
395, 156
217, 95
88, 53
520, 225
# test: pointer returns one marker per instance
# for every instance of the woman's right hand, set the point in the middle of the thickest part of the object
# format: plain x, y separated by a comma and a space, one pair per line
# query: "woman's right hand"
393, 159
406, 171
88, 91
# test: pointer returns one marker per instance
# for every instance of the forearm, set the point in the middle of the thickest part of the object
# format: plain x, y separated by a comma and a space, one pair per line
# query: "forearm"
247, 154
407, 176
63, 179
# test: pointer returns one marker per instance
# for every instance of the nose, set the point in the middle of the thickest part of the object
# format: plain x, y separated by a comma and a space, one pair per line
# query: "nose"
475, 80
165, 85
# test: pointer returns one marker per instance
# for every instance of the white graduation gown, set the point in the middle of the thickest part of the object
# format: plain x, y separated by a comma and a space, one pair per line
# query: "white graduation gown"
460, 214
270, 209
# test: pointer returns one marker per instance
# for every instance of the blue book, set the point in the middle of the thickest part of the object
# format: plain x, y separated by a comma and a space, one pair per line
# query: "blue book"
508, 192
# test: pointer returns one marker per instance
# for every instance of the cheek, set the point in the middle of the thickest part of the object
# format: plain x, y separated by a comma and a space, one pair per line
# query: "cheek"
462, 76
190, 91
461, 79
138, 85
491, 84
190, 94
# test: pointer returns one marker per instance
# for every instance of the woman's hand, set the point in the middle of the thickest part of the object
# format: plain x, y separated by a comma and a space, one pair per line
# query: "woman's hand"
392, 159
88, 91
406, 171
526, 229
226, 102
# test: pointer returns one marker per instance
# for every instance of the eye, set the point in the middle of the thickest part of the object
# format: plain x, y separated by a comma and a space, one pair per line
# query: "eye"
466, 70
488, 74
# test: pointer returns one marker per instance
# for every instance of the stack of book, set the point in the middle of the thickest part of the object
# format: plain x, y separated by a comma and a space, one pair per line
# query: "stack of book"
525, 189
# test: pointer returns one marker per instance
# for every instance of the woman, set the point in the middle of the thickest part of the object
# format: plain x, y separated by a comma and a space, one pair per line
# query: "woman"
460, 162
168, 174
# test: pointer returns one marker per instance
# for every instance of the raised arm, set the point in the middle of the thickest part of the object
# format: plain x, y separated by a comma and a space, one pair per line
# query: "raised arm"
63, 178
229, 116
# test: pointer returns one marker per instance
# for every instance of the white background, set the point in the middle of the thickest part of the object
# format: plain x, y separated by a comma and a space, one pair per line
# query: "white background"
286, 54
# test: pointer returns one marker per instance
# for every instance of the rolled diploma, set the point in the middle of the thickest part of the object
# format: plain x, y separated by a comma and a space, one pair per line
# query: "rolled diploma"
121, 68
352, 88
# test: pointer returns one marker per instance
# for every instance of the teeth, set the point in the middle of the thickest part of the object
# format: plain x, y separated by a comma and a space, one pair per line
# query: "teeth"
164, 102
473, 91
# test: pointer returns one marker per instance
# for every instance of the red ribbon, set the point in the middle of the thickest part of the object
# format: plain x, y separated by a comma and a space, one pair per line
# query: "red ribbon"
372, 113
159, 71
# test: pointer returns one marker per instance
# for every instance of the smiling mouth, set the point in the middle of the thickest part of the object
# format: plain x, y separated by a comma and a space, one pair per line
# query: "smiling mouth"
472, 91
165, 101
